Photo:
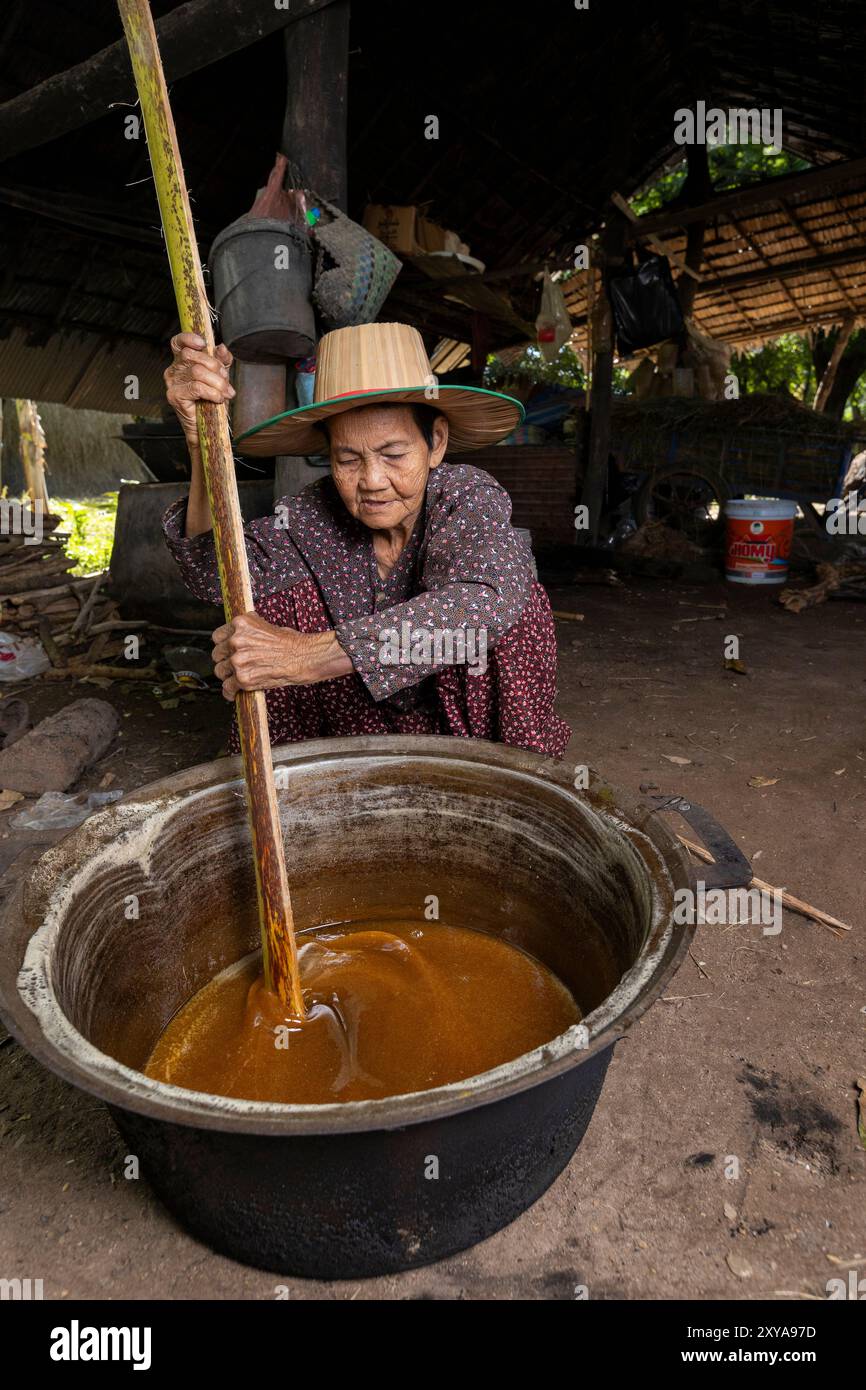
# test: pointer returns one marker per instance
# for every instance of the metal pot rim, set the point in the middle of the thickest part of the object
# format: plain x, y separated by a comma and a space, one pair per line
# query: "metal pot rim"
30, 1009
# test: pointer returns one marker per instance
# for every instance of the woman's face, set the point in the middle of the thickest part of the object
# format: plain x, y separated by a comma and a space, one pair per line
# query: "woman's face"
380, 463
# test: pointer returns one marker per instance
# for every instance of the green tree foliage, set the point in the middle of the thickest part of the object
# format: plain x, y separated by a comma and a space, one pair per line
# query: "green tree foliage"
566, 369
90, 524
731, 166
783, 367
793, 364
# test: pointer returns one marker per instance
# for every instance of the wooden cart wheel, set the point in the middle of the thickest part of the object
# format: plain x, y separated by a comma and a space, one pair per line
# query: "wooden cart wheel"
688, 499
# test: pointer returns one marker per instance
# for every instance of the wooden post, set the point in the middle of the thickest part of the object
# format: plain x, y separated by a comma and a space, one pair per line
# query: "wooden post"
275, 911
822, 395
480, 345
697, 189
314, 129
314, 142
32, 438
590, 315
595, 480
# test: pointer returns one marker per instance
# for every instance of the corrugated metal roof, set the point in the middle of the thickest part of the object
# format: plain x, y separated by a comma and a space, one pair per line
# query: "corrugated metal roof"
83, 369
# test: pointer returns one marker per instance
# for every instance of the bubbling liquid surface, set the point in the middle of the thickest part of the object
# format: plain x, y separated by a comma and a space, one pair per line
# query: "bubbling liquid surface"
391, 1008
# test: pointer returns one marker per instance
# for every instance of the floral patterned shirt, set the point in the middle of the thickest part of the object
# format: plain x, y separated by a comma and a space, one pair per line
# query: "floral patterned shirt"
464, 567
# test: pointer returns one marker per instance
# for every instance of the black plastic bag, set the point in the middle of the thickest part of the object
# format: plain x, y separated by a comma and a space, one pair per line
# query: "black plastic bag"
645, 306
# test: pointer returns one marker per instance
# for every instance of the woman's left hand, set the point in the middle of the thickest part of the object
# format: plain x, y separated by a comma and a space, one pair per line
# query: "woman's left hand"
251, 654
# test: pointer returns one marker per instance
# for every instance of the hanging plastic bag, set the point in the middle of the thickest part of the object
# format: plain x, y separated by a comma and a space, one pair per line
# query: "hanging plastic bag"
645, 305
21, 657
553, 326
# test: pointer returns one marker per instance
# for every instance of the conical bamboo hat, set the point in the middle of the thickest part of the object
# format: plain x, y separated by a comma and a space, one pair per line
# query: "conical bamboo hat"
382, 362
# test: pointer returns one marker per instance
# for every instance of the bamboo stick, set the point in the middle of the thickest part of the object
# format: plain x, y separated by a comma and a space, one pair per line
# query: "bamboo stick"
123, 623
111, 673
788, 899
275, 910
80, 624
46, 636
31, 595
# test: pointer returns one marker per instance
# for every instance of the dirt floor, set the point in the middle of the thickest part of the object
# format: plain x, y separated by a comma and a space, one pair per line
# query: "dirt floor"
752, 1054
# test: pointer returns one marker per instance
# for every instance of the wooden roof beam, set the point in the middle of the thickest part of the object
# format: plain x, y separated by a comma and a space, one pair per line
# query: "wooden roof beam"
800, 226
744, 200
191, 37
753, 246
785, 270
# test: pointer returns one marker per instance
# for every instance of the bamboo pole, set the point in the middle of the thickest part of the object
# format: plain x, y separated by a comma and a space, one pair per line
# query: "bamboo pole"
275, 910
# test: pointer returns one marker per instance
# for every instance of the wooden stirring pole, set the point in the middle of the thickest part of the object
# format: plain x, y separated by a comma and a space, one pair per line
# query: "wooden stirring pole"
275, 908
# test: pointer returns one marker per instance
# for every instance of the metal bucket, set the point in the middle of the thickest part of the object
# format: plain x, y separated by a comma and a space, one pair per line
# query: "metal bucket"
375, 828
263, 279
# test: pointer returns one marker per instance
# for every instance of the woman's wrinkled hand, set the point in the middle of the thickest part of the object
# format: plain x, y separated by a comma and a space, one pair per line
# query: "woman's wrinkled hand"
251, 654
196, 375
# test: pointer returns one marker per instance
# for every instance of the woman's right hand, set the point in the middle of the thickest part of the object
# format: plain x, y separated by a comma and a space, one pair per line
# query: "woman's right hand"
196, 375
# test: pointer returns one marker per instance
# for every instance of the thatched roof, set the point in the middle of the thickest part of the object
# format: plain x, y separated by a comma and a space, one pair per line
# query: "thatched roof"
541, 117
791, 259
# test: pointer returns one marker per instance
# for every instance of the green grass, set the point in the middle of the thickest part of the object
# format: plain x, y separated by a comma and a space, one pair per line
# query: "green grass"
90, 523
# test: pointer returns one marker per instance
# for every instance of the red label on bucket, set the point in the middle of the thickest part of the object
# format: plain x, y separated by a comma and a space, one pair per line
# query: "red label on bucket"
756, 546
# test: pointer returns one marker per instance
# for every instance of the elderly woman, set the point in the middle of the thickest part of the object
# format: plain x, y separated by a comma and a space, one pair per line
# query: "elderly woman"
392, 596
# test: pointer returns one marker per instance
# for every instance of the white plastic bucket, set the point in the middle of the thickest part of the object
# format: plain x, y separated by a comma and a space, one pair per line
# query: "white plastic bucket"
758, 540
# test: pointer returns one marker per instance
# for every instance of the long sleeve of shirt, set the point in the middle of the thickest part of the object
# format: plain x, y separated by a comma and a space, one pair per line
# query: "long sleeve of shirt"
274, 559
476, 577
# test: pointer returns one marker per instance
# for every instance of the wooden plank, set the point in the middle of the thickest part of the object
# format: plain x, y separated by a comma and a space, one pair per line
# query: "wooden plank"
471, 291
191, 37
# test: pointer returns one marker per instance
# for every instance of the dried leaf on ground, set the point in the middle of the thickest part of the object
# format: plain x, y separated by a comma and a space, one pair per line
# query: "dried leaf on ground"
672, 758
739, 1265
759, 781
9, 798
